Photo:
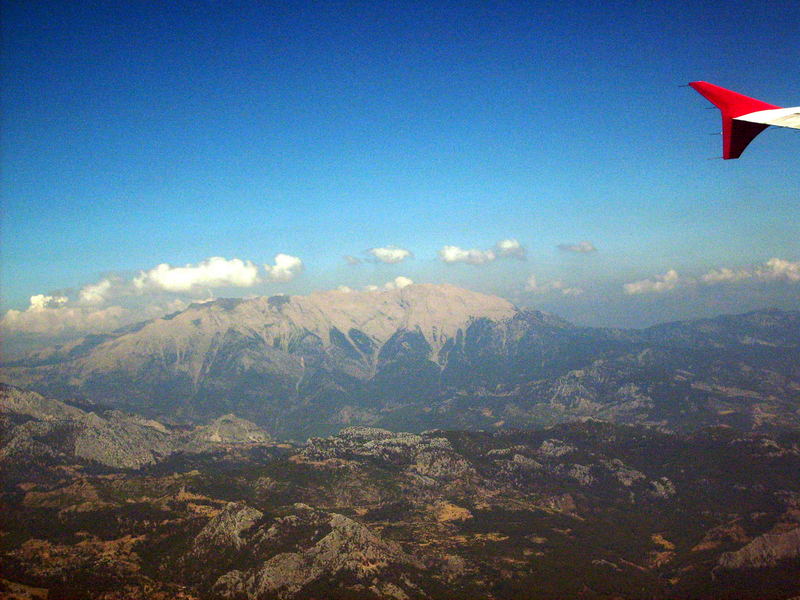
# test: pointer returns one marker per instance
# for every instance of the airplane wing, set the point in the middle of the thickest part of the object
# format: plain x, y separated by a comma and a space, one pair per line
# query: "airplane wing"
743, 118
780, 117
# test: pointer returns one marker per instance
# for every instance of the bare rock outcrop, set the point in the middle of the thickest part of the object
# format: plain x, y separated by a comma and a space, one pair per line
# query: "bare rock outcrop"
230, 429
764, 551
287, 556
36, 426
429, 454
56, 429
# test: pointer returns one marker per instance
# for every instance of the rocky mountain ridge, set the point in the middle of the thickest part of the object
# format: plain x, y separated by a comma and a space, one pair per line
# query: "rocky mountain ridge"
317, 547
37, 428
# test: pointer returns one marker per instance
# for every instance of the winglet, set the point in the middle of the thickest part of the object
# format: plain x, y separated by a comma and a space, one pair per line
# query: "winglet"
735, 134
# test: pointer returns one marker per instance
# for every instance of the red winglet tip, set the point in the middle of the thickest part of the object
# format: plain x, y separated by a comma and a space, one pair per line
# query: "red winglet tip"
736, 135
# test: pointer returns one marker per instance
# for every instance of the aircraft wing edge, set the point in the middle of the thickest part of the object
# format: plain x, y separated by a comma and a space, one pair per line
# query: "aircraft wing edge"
779, 117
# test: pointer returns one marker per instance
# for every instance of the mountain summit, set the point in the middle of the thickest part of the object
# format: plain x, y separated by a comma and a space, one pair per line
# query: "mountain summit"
357, 321
351, 327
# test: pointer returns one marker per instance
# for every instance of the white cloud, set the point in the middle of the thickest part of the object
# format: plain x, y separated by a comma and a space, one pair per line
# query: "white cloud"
101, 292
455, 254
510, 248
389, 254
507, 248
211, 273
580, 247
398, 283
778, 269
42, 302
533, 285
726, 275
775, 269
49, 319
286, 267
565, 289
395, 284
352, 260
658, 284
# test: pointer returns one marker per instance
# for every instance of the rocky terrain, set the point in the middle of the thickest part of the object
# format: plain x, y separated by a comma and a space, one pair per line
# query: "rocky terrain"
426, 356
579, 510
37, 429
290, 555
426, 442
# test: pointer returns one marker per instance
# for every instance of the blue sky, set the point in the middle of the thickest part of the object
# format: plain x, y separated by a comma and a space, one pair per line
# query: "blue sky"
136, 134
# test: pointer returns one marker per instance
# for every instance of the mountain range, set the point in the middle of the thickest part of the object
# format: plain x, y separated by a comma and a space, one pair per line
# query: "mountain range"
426, 442
425, 356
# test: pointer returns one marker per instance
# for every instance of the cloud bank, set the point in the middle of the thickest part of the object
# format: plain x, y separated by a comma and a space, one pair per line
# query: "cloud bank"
55, 319
114, 302
774, 270
725, 275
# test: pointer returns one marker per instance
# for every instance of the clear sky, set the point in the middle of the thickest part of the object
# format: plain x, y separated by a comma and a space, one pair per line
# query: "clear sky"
136, 134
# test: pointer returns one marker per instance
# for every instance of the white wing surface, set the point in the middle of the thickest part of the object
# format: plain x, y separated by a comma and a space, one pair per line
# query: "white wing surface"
780, 117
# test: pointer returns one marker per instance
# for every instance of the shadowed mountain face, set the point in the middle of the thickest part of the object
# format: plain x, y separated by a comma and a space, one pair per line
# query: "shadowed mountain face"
426, 356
